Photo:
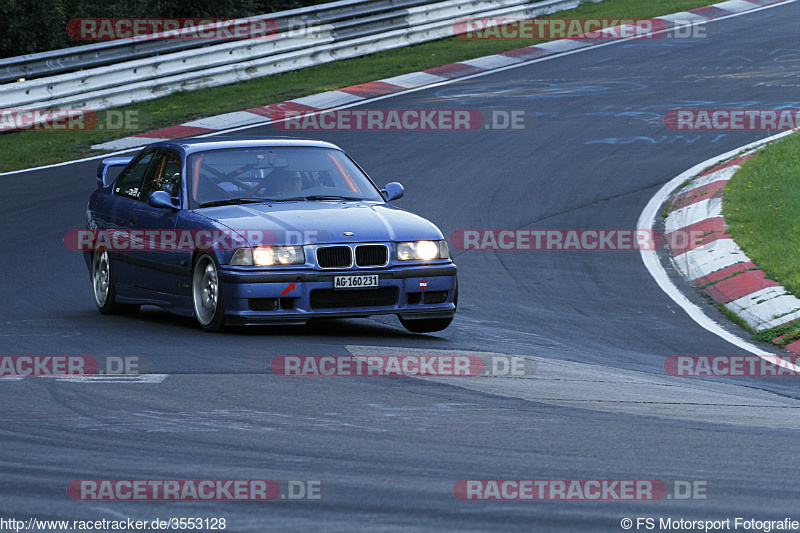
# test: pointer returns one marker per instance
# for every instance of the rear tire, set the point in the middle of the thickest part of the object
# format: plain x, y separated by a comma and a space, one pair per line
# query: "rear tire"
104, 286
209, 308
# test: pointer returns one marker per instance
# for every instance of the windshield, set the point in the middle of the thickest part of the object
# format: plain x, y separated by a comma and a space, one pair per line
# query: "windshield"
250, 175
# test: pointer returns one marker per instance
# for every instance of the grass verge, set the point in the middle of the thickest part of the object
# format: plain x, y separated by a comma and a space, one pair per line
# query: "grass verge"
28, 149
761, 206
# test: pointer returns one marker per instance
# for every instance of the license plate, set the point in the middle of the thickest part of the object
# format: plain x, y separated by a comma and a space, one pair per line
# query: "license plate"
356, 282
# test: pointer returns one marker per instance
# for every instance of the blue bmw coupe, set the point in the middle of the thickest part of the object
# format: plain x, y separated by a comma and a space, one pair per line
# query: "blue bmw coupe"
261, 231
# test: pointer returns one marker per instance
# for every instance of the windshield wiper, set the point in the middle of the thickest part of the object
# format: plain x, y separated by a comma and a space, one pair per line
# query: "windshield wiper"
292, 199
331, 197
236, 201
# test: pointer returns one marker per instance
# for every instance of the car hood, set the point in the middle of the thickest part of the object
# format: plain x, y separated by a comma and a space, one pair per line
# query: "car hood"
324, 222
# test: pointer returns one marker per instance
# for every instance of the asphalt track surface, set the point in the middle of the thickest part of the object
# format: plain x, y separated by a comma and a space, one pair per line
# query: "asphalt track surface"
392, 448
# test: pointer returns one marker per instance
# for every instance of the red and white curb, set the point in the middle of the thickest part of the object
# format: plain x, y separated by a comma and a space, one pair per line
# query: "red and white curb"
706, 254
363, 92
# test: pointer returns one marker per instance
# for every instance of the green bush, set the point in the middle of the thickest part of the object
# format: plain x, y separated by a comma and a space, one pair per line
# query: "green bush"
39, 25
31, 26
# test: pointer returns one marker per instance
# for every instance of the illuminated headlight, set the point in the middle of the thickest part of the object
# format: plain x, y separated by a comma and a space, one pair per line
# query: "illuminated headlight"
424, 250
269, 256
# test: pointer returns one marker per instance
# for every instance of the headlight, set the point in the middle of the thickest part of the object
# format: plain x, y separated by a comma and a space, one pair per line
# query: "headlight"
423, 250
269, 256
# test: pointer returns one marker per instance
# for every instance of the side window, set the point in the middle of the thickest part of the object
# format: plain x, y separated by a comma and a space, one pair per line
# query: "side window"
129, 182
164, 175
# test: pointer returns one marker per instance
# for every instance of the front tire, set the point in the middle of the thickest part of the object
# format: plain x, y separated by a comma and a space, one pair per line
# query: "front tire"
209, 308
104, 286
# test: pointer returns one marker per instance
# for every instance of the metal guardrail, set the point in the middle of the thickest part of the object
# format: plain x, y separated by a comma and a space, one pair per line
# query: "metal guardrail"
378, 25
110, 52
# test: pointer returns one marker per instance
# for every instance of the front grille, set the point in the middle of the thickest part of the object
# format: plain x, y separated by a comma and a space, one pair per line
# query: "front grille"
331, 299
334, 257
373, 255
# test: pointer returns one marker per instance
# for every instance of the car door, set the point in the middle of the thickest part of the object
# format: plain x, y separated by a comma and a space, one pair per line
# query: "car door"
125, 197
157, 269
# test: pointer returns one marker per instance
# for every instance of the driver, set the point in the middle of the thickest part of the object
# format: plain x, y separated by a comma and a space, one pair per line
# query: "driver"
286, 182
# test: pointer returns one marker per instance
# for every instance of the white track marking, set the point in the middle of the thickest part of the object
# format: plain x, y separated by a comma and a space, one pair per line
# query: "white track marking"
652, 263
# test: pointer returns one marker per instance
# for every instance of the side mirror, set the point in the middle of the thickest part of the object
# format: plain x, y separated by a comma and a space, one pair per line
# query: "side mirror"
392, 191
160, 199
105, 165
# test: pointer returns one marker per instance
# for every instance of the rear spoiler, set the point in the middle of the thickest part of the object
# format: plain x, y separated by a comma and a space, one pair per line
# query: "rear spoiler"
102, 170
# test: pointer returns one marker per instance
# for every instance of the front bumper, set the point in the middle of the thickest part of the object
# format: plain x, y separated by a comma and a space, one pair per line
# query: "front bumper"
256, 296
